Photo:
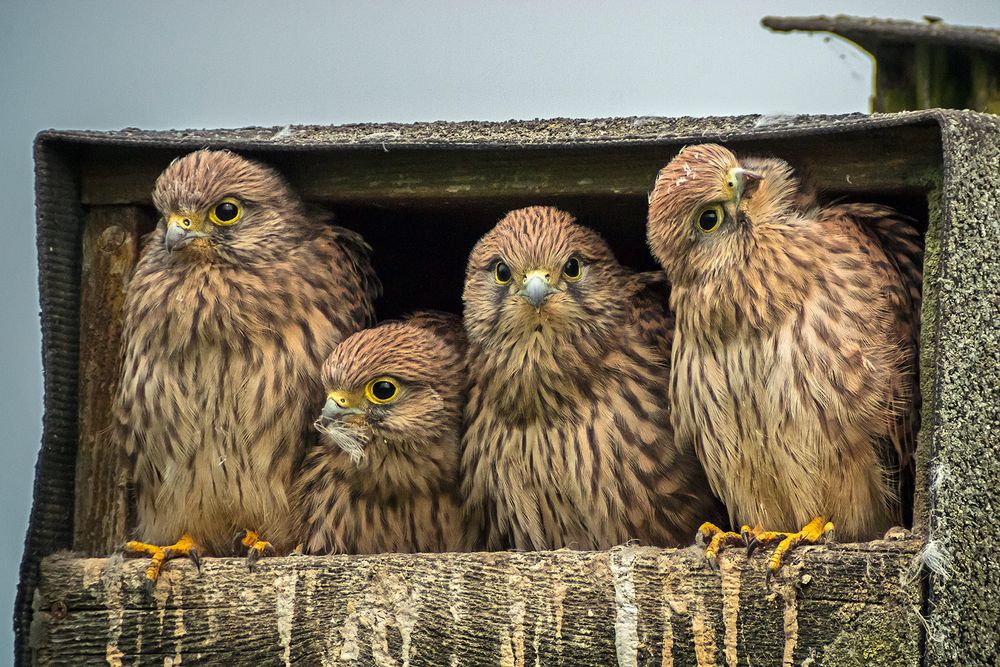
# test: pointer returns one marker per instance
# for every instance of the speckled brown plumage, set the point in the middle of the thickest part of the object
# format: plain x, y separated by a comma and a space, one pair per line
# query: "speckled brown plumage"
568, 441
795, 352
224, 338
383, 476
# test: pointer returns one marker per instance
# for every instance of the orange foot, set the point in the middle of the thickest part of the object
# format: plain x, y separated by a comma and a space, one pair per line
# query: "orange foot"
159, 555
256, 547
817, 531
717, 539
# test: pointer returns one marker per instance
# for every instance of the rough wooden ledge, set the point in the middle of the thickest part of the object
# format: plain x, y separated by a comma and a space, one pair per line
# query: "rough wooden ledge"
842, 604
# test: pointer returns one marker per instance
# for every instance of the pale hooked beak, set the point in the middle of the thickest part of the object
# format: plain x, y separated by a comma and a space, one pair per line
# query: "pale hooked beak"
537, 287
338, 405
740, 182
182, 228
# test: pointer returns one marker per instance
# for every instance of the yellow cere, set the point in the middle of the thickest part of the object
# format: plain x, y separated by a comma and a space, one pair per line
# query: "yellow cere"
342, 398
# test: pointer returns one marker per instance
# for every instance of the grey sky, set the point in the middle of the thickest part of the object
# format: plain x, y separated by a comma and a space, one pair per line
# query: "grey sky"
108, 65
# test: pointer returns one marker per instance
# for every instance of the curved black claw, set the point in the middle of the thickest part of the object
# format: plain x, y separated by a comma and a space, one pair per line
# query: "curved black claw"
254, 554
195, 557
238, 541
750, 540
148, 587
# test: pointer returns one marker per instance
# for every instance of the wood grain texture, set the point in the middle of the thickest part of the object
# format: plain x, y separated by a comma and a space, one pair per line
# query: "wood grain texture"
895, 159
836, 605
110, 241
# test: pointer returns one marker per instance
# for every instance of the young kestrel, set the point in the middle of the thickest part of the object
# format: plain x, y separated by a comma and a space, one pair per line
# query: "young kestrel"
383, 476
796, 346
238, 296
568, 440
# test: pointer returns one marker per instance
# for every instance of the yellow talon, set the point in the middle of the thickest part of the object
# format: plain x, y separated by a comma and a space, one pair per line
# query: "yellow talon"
717, 539
256, 546
185, 546
814, 532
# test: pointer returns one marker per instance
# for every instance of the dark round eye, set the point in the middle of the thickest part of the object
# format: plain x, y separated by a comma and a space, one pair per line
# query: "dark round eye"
226, 212
501, 273
381, 391
572, 269
710, 218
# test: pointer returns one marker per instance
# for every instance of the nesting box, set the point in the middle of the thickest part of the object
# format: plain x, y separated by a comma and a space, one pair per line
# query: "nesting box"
422, 194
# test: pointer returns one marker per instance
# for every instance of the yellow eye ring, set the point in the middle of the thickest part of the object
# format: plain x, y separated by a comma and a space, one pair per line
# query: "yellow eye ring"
226, 212
501, 273
710, 217
381, 391
573, 269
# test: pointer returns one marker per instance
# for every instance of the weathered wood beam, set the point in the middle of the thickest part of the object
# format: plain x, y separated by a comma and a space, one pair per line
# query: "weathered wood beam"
110, 244
896, 159
895, 78
986, 82
836, 605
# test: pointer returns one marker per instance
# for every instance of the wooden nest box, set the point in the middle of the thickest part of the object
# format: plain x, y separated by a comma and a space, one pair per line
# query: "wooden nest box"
422, 194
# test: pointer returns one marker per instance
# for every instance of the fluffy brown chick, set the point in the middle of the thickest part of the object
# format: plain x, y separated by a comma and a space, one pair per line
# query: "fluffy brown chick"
568, 440
795, 352
382, 478
238, 296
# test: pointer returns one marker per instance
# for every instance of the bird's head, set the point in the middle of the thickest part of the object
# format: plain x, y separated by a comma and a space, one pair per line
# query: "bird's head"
215, 203
537, 275
400, 384
702, 208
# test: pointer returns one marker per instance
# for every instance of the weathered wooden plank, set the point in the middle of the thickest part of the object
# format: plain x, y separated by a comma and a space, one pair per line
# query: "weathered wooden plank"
986, 82
894, 159
843, 604
110, 240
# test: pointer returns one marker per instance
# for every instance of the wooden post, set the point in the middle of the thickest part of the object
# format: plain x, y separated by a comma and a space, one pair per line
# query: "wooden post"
110, 242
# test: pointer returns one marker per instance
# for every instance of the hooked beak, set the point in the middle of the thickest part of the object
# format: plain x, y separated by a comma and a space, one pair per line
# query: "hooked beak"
741, 182
339, 405
182, 229
536, 287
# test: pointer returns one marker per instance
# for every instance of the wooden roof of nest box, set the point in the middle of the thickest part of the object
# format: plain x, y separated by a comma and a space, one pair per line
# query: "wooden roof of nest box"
918, 65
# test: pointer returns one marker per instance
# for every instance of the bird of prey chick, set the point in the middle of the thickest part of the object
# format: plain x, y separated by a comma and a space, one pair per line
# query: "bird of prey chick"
568, 440
382, 478
238, 296
795, 353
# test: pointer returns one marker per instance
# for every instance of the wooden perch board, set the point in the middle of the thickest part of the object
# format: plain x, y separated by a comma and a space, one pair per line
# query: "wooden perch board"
834, 605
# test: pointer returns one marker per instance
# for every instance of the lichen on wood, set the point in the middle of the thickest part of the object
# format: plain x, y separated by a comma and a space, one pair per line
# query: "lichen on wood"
628, 606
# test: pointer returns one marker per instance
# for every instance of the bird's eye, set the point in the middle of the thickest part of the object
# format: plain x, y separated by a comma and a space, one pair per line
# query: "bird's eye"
501, 273
572, 270
226, 212
381, 391
710, 218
